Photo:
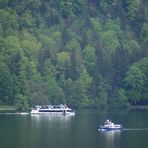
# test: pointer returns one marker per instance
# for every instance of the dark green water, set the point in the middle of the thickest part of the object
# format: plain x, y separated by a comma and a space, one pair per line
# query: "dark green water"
79, 131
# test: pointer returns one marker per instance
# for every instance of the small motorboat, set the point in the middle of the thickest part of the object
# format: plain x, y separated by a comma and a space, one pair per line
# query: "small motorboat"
110, 126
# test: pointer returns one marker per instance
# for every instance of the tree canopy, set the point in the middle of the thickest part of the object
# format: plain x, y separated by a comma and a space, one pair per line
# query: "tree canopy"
85, 53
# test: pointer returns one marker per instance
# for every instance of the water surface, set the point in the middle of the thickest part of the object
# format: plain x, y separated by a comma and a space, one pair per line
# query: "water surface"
79, 131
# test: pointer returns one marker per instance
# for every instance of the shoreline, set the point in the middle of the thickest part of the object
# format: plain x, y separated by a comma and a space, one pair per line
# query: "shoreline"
12, 107
144, 107
7, 108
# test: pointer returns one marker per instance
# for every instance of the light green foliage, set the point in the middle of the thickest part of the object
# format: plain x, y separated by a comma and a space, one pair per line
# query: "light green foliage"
89, 57
55, 93
8, 19
97, 25
51, 42
142, 64
104, 6
121, 99
71, 7
46, 41
112, 25
135, 82
109, 35
73, 45
32, 71
86, 79
30, 45
135, 77
145, 33
50, 69
63, 58
130, 44
73, 51
101, 99
68, 88
133, 8
12, 45
21, 103
109, 41
89, 35
28, 19
36, 4
23, 82
74, 35
56, 35
81, 87
146, 12
1, 29
66, 8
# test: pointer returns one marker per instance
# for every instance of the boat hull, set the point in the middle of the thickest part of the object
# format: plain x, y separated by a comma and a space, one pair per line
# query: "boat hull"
110, 129
53, 112
102, 128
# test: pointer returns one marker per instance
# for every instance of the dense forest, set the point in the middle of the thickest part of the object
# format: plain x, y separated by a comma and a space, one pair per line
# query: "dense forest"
84, 53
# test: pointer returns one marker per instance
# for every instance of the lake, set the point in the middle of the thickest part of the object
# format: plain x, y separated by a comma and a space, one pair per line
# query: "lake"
79, 131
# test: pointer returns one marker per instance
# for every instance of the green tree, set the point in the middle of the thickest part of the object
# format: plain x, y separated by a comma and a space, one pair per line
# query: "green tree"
30, 45
73, 51
97, 26
109, 41
142, 65
12, 45
89, 57
66, 8
134, 81
21, 103
55, 92
9, 21
51, 43
131, 45
101, 97
144, 33
75, 59
68, 88
121, 98
63, 65
6, 85
133, 8
23, 78
27, 19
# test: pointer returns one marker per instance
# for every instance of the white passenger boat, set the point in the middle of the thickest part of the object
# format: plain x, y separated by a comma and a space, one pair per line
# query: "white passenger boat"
52, 109
110, 126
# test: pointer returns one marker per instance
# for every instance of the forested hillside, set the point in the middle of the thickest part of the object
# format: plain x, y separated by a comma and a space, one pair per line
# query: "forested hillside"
85, 53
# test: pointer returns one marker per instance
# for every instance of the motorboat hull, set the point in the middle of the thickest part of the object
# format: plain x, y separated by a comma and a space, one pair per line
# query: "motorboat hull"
110, 128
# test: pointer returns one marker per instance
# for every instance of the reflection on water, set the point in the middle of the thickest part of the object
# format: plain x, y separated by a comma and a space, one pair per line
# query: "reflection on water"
79, 131
51, 120
48, 129
111, 138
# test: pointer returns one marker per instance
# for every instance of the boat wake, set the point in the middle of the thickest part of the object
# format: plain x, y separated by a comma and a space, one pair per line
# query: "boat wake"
15, 113
135, 129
